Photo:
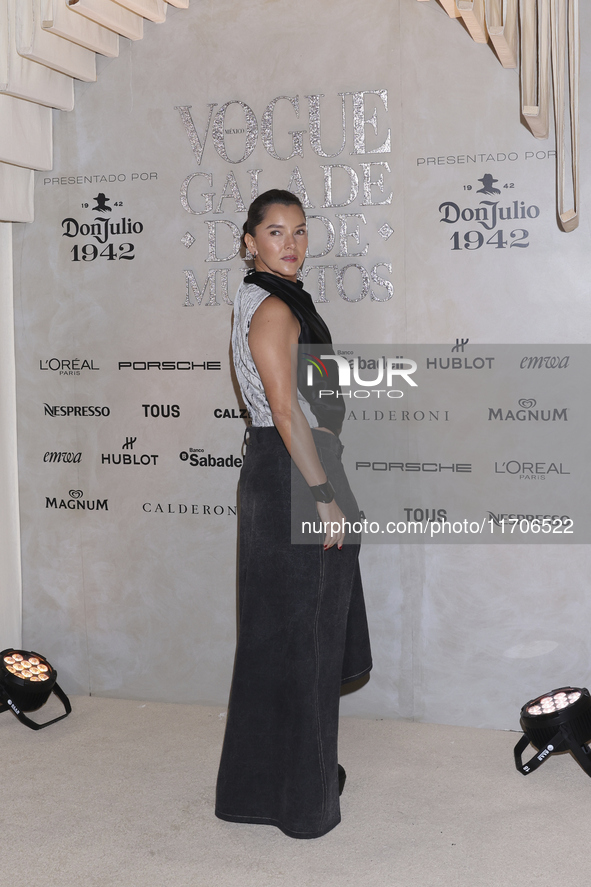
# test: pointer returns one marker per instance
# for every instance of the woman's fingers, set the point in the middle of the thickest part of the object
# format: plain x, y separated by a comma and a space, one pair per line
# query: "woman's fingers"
334, 522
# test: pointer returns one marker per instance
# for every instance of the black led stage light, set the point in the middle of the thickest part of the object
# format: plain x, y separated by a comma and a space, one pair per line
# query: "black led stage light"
27, 680
556, 722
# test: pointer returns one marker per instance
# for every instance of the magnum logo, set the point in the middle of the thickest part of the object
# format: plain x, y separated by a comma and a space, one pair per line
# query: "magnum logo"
76, 502
527, 413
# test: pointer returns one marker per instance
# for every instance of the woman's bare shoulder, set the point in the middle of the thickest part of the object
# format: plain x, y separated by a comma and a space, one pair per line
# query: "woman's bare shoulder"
274, 310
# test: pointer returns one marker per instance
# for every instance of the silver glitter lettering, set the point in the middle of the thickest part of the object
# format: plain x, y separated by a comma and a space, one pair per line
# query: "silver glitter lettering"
252, 131
321, 280
297, 187
380, 281
353, 185
224, 273
267, 134
196, 145
314, 116
330, 237
360, 121
208, 195
232, 190
198, 294
365, 288
212, 255
254, 182
344, 233
368, 183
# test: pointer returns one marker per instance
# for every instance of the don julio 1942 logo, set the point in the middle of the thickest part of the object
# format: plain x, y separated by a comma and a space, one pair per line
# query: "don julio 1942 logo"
497, 223
103, 232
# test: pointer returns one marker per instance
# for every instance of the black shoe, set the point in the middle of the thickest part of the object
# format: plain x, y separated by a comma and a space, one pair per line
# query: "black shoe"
342, 778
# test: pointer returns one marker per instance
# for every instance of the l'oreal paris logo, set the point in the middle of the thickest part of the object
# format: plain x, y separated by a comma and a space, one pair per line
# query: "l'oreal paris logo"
386, 366
70, 367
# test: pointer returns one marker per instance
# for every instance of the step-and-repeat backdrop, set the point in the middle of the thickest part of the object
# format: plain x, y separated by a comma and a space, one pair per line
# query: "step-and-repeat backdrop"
432, 220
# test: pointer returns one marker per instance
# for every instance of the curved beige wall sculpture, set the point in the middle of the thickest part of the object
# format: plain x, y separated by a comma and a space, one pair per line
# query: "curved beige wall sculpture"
46, 44
548, 51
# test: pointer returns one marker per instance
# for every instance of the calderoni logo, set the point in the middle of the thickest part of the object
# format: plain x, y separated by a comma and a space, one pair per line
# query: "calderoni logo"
170, 365
63, 457
76, 502
193, 509
398, 416
527, 413
67, 367
80, 412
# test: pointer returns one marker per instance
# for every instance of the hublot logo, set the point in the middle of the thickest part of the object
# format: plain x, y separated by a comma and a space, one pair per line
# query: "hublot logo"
127, 459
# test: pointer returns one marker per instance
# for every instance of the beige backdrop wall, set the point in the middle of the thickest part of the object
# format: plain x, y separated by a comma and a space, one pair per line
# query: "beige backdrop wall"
376, 114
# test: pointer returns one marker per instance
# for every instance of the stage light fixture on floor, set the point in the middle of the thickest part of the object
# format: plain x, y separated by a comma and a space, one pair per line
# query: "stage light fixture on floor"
557, 722
27, 680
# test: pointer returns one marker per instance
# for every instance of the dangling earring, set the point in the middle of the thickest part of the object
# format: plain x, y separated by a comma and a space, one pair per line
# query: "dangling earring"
254, 255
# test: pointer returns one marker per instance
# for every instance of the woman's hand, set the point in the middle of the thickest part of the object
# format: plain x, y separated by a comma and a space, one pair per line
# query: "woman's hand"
331, 514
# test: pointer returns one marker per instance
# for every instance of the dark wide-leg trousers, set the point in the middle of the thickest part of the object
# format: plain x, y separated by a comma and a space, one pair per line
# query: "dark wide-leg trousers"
302, 632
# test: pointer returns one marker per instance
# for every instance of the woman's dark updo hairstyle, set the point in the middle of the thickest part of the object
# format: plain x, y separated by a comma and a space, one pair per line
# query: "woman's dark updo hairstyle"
258, 208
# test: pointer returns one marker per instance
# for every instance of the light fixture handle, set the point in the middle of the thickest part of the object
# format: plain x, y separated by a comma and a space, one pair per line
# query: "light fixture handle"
539, 758
5, 697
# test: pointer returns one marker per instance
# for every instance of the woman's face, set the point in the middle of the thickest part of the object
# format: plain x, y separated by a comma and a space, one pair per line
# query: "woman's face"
280, 241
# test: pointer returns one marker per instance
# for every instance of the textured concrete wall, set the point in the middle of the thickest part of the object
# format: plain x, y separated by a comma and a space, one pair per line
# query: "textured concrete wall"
10, 572
136, 597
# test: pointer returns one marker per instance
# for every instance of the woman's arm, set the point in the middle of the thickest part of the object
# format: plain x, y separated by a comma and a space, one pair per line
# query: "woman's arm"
273, 332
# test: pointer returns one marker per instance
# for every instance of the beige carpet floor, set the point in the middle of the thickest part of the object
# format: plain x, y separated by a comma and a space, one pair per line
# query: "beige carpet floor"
120, 794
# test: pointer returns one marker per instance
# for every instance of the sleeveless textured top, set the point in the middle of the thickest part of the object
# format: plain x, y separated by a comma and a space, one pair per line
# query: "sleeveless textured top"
318, 408
247, 300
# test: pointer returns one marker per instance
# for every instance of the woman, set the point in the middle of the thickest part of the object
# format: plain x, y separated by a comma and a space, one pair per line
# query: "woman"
303, 629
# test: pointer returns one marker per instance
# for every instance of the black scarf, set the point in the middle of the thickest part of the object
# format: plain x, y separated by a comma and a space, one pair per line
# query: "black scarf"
328, 410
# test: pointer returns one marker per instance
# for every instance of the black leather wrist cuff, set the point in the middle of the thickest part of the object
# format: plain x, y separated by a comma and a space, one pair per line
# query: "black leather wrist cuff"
323, 492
